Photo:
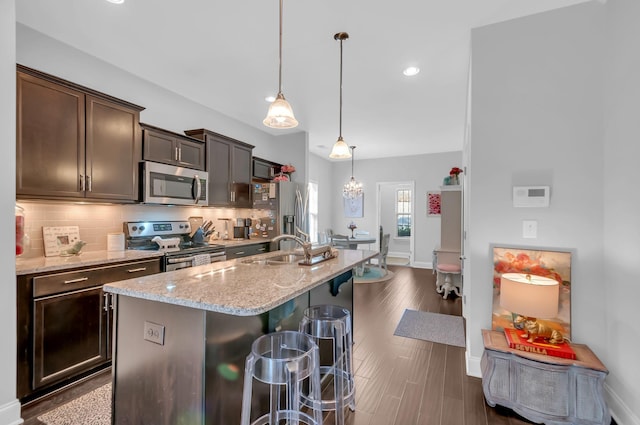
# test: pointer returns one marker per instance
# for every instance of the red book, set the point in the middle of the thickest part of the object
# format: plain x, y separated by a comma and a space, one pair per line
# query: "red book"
517, 342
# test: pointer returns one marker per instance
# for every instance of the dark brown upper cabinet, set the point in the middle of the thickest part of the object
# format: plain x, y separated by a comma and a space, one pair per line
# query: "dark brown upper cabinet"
164, 146
263, 169
229, 169
74, 143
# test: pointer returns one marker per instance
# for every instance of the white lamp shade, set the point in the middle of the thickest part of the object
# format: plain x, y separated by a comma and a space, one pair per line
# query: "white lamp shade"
340, 150
280, 114
529, 295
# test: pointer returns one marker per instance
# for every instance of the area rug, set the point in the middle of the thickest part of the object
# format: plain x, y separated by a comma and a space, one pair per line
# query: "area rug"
434, 327
373, 274
93, 408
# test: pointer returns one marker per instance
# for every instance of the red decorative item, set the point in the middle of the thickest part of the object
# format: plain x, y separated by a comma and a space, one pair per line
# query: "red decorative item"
517, 342
455, 171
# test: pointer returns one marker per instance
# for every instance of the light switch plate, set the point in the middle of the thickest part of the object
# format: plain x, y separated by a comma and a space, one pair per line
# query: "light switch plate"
529, 229
154, 333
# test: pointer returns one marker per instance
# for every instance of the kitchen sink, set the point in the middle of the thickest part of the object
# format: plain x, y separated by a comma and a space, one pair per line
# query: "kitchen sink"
276, 260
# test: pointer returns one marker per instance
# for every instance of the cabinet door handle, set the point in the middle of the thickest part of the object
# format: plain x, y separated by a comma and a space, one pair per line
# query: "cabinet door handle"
89, 183
198, 189
175, 155
262, 249
179, 154
82, 185
106, 302
113, 301
139, 269
239, 252
80, 279
233, 196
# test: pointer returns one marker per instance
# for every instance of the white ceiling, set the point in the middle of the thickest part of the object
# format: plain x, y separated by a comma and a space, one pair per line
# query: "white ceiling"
224, 54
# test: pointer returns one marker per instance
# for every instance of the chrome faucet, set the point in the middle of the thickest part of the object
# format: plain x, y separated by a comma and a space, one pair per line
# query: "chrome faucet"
306, 246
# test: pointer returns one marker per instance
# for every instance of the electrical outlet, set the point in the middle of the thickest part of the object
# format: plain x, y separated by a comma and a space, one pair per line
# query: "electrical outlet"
529, 229
154, 333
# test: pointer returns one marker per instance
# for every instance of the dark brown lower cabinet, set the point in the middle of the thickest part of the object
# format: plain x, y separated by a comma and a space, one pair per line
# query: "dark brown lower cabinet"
65, 324
70, 335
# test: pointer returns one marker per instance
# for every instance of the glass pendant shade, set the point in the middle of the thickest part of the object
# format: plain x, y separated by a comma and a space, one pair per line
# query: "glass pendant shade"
280, 114
340, 150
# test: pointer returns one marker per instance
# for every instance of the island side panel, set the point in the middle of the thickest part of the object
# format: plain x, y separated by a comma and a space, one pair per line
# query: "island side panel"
158, 383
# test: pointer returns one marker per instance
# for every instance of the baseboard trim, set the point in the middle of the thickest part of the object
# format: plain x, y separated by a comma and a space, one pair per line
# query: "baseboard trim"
618, 409
473, 365
10, 413
422, 265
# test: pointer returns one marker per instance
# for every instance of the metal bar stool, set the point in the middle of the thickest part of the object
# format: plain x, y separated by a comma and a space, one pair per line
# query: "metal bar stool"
287, 362
330, 324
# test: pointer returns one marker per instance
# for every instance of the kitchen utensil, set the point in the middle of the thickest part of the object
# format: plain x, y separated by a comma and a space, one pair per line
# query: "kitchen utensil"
194, 223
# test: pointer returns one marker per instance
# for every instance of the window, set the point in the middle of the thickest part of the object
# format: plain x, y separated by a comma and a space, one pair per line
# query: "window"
313, 211
403, 213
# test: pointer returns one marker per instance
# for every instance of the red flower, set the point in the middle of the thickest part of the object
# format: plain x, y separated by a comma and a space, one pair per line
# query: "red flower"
455, 171
288, 168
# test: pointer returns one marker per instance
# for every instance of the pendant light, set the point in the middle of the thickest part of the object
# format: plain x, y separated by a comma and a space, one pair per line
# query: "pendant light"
340, 148
352, 189
280, 114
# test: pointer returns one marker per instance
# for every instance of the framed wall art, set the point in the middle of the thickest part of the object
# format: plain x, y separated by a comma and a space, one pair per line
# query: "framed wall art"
58, 239
550, 263
434, 205
353, 208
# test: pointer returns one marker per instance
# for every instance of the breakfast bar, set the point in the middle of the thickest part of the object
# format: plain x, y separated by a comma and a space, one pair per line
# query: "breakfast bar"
181, 337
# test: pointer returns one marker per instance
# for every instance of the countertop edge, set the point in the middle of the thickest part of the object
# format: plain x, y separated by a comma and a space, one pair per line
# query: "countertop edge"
153, 289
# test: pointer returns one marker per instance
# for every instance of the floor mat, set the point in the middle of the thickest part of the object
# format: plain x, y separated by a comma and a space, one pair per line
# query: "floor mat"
93, 408
434, 327
373, 274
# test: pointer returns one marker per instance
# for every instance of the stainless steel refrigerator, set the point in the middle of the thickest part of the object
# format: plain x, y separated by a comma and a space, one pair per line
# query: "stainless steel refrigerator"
275, 203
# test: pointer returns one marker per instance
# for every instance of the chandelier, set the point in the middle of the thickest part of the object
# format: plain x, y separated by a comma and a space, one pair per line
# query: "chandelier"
352, 189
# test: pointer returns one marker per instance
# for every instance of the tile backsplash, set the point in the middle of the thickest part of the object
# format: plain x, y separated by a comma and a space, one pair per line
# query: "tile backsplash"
96, 221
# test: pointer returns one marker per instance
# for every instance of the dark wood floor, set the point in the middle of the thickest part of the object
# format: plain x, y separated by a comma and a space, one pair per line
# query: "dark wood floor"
404, 381
399, 380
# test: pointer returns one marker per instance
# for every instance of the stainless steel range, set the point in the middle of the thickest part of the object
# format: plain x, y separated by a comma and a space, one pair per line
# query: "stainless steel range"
175, 239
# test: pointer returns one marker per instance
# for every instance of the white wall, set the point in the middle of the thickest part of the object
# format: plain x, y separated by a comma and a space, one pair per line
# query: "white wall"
427, 171
320, 172
621, 205
9, 405
537, 119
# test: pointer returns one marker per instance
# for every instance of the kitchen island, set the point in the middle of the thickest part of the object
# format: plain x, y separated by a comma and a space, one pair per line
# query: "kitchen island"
182, 337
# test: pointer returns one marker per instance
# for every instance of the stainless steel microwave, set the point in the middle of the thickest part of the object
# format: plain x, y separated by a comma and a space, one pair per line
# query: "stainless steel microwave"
171, 185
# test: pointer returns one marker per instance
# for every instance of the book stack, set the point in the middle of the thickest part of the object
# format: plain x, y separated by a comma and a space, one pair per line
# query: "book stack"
517, 342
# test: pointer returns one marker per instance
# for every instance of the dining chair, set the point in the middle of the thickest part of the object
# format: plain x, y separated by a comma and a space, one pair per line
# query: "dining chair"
340, 241
384, 250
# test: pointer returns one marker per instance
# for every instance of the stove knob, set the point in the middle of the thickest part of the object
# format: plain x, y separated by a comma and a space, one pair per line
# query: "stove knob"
182, 226
141, 228
134, 228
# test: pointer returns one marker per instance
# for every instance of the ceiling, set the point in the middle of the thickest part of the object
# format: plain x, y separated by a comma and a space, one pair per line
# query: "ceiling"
224, 54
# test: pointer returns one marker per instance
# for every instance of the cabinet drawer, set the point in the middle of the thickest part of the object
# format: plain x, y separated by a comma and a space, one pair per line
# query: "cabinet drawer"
71, 281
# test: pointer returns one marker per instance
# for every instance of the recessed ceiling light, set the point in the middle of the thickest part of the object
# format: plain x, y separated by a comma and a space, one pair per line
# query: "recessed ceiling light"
116, 1
270, 99
411, 71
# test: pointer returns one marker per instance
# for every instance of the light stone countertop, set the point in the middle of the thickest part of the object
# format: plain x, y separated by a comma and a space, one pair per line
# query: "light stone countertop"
85, 259
236, 287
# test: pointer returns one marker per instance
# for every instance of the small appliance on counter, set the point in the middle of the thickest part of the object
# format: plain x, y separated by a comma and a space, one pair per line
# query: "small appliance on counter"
242, 228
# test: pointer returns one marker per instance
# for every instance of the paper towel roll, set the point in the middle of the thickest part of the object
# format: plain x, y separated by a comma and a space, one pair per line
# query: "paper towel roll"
115, 242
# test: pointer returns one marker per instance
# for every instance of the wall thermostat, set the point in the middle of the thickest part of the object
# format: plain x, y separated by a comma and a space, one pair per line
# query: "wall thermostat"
530, 196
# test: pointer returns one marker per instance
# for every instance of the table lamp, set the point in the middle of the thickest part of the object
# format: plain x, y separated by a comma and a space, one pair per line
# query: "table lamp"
531, 297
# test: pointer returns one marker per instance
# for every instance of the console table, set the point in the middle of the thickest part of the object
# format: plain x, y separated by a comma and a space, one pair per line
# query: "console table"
544, 389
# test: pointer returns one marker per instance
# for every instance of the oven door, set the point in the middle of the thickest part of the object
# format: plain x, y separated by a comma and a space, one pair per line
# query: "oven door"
183, 261
171, 185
